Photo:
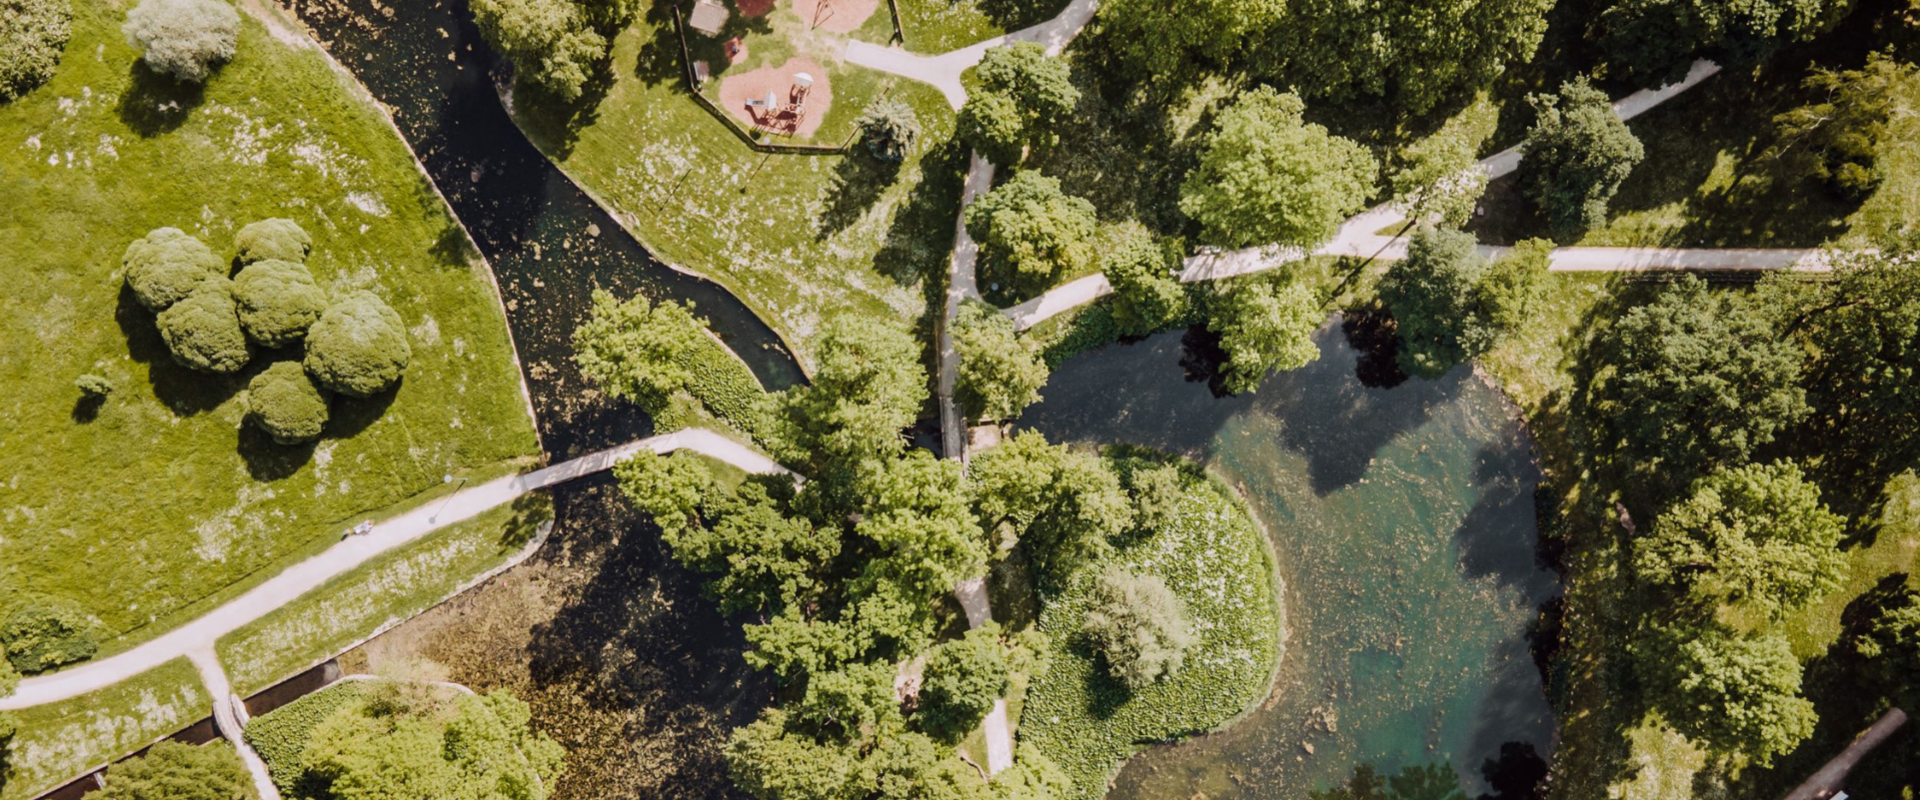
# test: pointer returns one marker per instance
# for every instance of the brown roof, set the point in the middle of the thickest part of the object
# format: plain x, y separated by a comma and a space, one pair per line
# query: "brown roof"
708, 17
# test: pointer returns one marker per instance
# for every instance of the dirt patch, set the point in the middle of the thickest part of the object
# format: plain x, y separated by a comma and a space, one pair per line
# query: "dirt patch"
839, 16
794, 111
754, 8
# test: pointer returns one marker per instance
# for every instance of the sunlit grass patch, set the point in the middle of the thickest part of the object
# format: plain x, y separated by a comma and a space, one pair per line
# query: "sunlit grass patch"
59, 741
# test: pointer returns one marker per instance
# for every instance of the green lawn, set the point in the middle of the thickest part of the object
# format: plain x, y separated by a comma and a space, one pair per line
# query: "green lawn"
798, 238
383, 592
1220, 563
937, 26
59, 741
159, 503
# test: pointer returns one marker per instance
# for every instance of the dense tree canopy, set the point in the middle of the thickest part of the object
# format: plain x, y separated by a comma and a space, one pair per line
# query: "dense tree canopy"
1838, 138
275, 238
1653, 41
1031, 233
1417, 52
670, 488
1756, 535
203, 331
175, 771
1263, 329
358, 347
1432, 294
1063, 506
278, 301
1266, 176
476, 746
962, 679
1020, 97
553, 44
1155, 39
1733, 694
638, 350
166, 265
999, 374
1138, 626
1578, 153
868, 386
284, 402
1146, 296
32, 35
185, 39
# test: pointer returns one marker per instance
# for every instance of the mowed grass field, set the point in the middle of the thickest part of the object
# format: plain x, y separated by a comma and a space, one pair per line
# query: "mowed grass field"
159, 502
937, 26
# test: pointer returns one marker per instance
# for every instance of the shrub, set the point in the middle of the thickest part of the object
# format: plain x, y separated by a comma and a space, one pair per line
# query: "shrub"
358, 347
278, 301
1578, 154
183, 38
1156, 493
1139, 626
166, 265
284, 402
275, 238
963, 678
889, 127
44, 632
92, 385
1511, 289
32, 34
280, 736
175, 771
203, 331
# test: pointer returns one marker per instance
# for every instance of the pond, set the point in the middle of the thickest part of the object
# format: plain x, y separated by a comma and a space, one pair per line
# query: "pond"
1404, 523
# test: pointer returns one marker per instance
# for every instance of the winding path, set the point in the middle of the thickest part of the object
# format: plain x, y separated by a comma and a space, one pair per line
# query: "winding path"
200, 635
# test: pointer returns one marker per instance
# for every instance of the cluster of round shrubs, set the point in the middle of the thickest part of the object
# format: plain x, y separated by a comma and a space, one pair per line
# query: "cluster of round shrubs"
355, 346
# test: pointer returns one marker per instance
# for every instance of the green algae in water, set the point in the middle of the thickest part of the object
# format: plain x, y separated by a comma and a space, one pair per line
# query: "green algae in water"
1403, 522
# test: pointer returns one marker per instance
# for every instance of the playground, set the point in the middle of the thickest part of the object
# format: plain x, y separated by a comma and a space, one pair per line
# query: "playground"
773, 65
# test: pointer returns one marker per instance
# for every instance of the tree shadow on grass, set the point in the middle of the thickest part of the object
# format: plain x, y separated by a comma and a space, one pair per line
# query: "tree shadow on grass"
920, 241
858, 182
348, 416
154, 104
87, 408
268, 460
183, 391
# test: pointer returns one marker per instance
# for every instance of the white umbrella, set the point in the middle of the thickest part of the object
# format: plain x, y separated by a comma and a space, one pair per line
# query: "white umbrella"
802, 80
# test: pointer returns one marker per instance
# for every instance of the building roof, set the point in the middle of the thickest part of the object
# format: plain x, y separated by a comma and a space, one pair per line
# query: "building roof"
708, 17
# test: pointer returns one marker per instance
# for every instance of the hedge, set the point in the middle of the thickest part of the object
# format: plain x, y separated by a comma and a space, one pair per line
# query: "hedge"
722, 383
280, 736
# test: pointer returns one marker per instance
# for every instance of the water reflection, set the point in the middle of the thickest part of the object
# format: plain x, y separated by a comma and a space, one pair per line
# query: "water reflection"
1403, 515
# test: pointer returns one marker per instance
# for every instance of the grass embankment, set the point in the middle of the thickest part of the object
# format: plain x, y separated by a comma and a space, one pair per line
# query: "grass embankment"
798, 238
379, 594
937, 26
280, 736
1216, 560
158, 503
59, 741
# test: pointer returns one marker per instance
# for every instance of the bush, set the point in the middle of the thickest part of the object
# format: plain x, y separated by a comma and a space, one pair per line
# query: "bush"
1156, 493
45, 632
963, 679
32, 34
1578, 154
91, 385
280, 736
358, 347
284, 402
175, 771
278, 301
166, 265
203, 331
275, 238
1139, 626
888, 128
183, 38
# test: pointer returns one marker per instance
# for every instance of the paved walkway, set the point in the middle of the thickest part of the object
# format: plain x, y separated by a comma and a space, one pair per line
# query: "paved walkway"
228, 717
962, 286
943, 71
201, 634
972, 594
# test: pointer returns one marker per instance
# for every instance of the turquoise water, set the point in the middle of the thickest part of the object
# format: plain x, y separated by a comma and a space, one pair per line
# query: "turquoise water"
1404, 523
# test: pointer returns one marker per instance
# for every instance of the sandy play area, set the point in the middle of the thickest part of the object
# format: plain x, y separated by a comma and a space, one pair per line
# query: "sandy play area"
791, 114
754, 8
839, 16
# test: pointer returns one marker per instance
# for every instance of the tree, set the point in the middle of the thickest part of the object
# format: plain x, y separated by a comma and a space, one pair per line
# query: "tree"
1033, 776
867, 387
994, 125
772, 762
1509, 292
1419, 53
999, 374
358, 347
764, 560
1146, 296
1265, 329
1030, 232
1578, 153
1838, 138
1735, 695
1156, 492
1440, 180
1155, 39
1062, 506
284, 402
175, 771
1020, 97
42, 632
1139, 626
638, 350
474, 746
32, 35
277, 238
1755, 535
185, 39
1432, 295
850, 703
203, 331
166, 265
1654, 41
670, 488
278, 301
1697, 379
1889, 640
889, 127
552, 43
963, 679
1267, 177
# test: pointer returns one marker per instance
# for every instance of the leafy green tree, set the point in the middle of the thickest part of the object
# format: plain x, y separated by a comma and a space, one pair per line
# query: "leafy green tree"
1265, 329
275, 238
1021, 96
1433, 296
1146, 295
850, 703
995, 125
1889, 640
166, 265
1578, 153
278, 301
1733, 694
771, 761
42, 632
1138, 626
1063, 507
1755, 535
1838, 138
286, 404
1033, 776
1267, 177
1440, 180
184, 39
888, 128
1030, 232
999, 374
552, 43
962, 680
1156, 492
868, 386
476, 746
670, 488
919, 555
175, 771
1155, 39
1419, 53
1693, 380
35, 33
764, 560
1653, 41
203, 331
358, 347
638, 350
1510, 291
910, 766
